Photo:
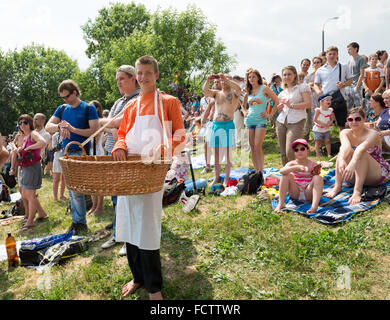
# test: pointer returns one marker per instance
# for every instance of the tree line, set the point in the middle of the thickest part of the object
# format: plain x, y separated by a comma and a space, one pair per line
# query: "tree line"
184, 43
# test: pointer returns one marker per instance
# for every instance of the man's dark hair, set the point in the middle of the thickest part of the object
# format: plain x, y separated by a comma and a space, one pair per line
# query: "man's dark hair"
306, 59
354, 45
70, 86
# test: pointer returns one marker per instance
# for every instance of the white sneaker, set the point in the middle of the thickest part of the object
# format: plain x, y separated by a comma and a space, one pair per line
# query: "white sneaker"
109, 243
122, 251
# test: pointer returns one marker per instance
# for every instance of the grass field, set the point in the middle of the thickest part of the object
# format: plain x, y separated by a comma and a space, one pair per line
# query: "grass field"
228, 248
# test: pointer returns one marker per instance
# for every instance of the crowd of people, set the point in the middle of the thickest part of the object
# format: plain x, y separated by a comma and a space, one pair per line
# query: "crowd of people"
232, 112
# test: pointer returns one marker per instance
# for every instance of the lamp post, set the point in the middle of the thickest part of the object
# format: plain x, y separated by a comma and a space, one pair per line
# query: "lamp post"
323, 31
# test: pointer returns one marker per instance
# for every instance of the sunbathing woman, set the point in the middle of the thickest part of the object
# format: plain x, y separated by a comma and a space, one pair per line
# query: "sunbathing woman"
300, 178
360, 160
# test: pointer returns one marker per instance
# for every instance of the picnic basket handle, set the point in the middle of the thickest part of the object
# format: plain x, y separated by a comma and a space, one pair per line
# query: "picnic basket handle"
74, 142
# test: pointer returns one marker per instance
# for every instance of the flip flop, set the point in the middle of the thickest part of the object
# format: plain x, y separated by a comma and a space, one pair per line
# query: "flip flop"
26, 227
41, 219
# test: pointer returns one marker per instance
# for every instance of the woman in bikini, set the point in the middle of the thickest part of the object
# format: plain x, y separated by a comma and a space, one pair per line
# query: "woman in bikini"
360, 159
300, 178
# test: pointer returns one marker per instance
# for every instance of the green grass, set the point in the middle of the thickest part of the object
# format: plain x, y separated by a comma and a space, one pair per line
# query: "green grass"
228, 248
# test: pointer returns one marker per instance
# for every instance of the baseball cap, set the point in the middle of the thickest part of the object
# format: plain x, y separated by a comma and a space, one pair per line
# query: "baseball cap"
299, 141
324, 96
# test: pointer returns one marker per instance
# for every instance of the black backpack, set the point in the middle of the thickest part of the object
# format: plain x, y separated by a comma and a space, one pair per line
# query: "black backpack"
5, 194
172, 191
251, 182
334, 148
10, 181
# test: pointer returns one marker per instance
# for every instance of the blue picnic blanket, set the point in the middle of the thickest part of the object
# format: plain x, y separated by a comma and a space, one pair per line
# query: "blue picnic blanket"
330, 211
239, 173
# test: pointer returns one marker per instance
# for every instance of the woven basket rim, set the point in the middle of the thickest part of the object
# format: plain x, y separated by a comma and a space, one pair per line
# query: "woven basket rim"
165, 161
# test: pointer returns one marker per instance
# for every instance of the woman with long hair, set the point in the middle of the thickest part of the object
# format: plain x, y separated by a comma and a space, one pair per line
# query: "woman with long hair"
29, 159
294, 100
256, 97
360, 159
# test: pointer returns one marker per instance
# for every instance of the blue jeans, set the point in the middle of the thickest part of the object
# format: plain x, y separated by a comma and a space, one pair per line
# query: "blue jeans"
78, 206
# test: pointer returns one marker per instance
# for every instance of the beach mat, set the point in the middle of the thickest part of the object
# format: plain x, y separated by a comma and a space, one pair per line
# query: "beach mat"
331, 211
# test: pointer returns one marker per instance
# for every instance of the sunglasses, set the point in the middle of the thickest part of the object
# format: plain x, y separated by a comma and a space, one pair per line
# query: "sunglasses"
66, 97
22, 122
299, 149
357, 119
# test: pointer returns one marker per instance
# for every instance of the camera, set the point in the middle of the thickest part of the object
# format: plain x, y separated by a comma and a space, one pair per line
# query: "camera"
215, 76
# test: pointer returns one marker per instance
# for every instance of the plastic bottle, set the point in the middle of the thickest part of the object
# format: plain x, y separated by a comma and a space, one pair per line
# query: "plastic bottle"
12, 253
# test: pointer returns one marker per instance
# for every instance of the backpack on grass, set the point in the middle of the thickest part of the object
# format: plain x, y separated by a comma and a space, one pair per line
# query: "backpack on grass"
172, 191
251, 182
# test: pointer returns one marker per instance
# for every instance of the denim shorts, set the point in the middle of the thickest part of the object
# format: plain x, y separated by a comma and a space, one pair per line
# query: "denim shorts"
322, 135
257, 126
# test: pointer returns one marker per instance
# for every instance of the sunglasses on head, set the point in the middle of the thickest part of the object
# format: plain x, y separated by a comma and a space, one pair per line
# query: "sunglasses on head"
357, 119
299, 149
22, 122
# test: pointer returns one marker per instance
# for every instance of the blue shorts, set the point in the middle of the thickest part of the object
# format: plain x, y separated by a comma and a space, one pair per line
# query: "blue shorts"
257, 126
222, 135
322, 135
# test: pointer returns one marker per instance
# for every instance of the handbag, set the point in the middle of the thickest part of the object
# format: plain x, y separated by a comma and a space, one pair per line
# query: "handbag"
338, 101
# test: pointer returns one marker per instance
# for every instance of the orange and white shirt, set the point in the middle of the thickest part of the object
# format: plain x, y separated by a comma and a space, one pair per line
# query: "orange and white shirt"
373, 77
172, 118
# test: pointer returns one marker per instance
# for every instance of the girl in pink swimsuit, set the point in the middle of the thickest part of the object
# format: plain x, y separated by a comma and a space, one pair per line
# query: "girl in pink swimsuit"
300, 178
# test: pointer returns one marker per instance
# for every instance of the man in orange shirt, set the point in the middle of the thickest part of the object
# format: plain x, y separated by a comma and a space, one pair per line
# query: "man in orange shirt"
138, 218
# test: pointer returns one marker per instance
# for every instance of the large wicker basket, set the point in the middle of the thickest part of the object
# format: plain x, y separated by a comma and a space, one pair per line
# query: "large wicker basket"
101, 175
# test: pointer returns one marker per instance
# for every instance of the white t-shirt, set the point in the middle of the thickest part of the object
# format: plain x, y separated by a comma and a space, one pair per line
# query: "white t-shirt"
328, 77
324, 117
294, 96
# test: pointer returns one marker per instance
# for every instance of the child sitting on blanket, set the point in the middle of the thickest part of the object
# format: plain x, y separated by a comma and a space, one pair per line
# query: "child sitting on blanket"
300, 178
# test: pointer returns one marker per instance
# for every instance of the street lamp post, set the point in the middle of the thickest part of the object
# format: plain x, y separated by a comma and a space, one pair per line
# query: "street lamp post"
323, 31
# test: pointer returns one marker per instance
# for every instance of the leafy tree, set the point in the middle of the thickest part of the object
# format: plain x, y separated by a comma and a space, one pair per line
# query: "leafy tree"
116, 22
184, 44
8, 114
37, 73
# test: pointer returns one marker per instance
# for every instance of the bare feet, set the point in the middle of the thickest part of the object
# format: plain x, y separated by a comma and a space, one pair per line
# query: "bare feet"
130, 288
91, 211
355, 199
279, 208
331, 194
155, 296
312, 210
216, 181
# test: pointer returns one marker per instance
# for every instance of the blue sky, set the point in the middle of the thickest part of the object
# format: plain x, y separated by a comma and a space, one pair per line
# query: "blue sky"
266, 35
